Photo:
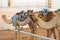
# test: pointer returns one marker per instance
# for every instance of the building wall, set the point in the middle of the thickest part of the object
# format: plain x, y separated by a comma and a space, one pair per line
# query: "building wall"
3, 3
26, 4
56, 4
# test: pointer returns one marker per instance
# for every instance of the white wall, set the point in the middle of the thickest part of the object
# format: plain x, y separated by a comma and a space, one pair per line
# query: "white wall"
56, 4
3, 3
30, 4
37, 4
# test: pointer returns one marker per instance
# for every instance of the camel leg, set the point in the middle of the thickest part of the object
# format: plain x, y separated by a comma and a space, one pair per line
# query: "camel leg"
58, 32
17, 34
48, 32
54, 34
33, 29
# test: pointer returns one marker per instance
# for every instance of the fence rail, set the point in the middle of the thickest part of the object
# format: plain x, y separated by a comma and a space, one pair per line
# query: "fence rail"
27, 33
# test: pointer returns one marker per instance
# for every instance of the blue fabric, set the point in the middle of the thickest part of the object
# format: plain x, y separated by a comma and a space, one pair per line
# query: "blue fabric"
14, 19
23, 16
44, 11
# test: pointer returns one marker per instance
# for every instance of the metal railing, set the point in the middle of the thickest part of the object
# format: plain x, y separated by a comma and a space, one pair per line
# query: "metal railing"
27, 33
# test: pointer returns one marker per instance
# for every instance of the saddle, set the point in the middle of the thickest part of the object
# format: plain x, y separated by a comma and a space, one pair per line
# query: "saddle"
22, 15
43, 12
40, 14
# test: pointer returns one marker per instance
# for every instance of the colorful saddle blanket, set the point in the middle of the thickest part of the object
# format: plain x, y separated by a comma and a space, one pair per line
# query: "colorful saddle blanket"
19, 16
45, 11
22, 16
14, 19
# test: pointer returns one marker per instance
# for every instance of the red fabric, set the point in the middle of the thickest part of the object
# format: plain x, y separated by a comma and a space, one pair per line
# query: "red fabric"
39, 11
18, 13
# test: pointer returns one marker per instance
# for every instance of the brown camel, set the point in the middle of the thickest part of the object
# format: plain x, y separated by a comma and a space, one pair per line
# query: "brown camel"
28, 21
47, 18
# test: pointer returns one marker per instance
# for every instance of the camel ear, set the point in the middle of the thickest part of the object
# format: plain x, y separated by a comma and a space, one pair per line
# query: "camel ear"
31, 11
58, 9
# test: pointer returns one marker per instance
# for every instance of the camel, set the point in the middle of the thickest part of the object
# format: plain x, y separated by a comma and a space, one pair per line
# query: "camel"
46, 19
52, 23
28, 21
50, 15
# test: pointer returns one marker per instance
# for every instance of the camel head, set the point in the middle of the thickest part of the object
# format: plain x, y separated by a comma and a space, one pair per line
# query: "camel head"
34, 16
9, 21
3, 16
30, 12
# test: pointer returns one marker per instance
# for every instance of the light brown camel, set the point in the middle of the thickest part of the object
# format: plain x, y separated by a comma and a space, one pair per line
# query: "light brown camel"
28, 21
47, 18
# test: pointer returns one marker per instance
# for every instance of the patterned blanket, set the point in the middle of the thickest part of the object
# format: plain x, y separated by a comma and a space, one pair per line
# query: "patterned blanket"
19, 16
